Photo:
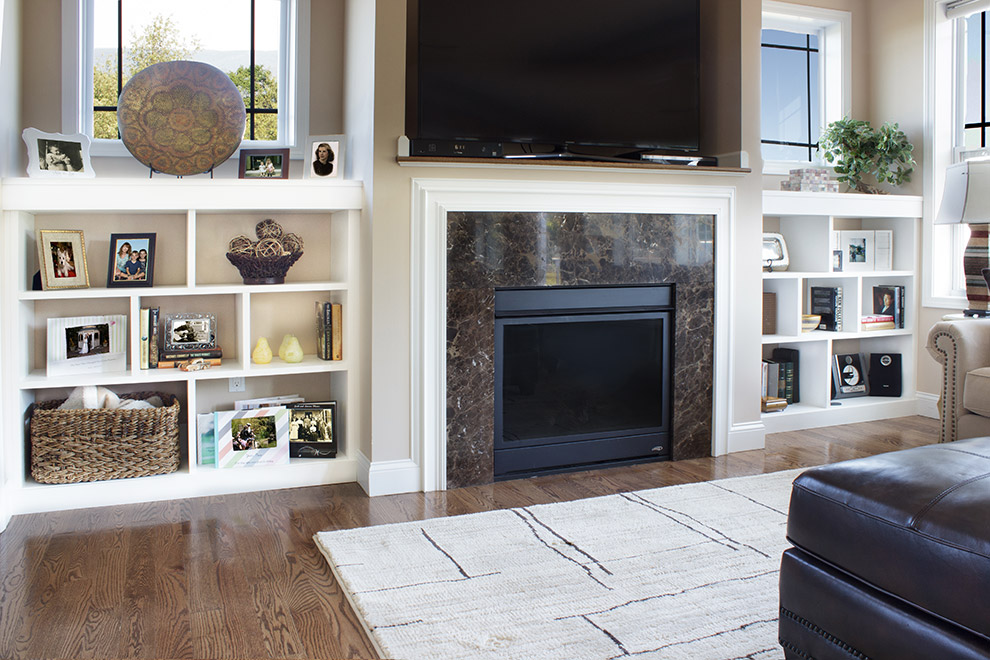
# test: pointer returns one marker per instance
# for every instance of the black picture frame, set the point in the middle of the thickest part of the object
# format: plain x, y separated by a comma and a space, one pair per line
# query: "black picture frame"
849, 378
254, 164
120, 264
313, 429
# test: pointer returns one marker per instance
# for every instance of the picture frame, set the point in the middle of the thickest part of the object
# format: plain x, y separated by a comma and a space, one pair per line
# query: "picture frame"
333, 166
263, 164
774, 255
250, 438
57, 155
836, 261
86, 344
313, 430
62, 259
188, 332
858, 249
848, 377
126, 267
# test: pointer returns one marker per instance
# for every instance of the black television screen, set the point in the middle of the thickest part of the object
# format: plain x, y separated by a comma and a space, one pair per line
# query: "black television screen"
556, 72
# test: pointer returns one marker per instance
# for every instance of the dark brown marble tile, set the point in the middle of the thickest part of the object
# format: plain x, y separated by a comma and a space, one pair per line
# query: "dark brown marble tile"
489, 250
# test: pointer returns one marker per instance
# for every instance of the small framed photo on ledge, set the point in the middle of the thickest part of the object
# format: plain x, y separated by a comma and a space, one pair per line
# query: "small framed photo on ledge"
325, 158
54, 155
264, 164
62, 259
132, 260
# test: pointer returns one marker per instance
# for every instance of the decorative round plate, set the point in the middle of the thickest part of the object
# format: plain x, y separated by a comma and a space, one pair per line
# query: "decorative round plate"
181, 117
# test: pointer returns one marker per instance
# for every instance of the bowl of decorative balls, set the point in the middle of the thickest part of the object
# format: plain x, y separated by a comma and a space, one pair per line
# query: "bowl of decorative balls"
267, 259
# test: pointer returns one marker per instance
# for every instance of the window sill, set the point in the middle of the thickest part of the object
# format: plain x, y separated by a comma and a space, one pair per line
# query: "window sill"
784, 167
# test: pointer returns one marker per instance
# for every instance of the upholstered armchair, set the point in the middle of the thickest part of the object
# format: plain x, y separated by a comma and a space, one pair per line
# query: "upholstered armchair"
962, 347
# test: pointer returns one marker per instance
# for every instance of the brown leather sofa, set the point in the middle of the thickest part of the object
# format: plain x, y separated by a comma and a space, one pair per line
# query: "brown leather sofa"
891, 557
962, 347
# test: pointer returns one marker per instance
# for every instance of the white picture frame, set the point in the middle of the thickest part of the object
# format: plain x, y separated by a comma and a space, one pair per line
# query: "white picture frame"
57, 155
87, 344
273, 444
858, 250
311, 156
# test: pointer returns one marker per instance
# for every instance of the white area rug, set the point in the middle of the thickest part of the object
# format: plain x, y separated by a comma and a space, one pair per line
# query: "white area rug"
677, 572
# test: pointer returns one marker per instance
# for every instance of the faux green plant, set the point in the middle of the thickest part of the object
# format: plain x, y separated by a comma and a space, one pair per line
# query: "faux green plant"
858, 150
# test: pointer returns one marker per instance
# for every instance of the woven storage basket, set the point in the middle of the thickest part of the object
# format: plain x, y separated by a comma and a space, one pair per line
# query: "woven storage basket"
70, 446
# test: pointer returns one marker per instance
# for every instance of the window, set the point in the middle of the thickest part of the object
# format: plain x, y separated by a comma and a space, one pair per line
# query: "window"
255, 42
805, 80
789, 121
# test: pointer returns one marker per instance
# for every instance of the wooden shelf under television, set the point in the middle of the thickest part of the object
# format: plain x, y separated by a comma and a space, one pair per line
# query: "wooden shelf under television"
441, 161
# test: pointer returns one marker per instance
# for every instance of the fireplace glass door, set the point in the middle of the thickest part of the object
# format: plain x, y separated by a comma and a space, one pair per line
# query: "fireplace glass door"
581, 383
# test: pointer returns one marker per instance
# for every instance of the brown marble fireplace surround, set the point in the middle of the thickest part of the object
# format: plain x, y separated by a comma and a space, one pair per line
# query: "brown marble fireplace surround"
486, 250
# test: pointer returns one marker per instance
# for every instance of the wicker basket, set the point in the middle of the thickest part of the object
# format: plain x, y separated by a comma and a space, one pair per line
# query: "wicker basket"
263, 270
70, 446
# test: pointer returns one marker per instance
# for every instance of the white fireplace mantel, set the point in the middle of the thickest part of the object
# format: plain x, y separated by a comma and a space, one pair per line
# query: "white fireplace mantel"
432, 199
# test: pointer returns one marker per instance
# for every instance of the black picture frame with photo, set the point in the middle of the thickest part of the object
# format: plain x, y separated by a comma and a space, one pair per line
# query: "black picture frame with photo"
848, 376
187, 332
313, 429
131, 260
263, 164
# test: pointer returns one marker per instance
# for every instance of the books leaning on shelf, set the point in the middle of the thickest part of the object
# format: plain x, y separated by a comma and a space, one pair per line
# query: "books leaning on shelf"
827, 301
877, 322
329, 330
788, 359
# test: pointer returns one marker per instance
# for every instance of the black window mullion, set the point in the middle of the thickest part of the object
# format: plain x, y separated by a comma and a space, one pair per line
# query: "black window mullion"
807, 78
251, 108
983, 79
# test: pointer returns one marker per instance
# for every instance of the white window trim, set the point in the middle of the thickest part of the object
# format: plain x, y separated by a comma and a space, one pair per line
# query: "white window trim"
77, 92
943, 130
834, 28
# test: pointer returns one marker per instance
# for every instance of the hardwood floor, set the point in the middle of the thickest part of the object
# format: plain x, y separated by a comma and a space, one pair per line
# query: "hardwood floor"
239, 576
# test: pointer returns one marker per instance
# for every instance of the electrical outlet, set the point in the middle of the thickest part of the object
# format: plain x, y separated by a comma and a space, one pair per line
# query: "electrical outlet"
236, 384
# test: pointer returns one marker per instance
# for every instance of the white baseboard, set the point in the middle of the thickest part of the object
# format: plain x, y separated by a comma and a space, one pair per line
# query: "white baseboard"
388, 477
746, 437
928, 405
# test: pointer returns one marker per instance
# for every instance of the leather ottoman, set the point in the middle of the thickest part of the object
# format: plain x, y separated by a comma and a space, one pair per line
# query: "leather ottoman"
891, 557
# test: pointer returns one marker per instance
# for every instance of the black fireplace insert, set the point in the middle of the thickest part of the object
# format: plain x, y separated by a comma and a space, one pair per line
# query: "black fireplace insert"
582, 377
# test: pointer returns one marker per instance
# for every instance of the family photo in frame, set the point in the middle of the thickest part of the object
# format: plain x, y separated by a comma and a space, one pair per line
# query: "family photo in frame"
264, 164
54, 155
132, 260
62, 259
325, 157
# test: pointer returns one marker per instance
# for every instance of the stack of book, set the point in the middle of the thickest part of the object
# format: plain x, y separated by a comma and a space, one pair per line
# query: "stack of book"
780, 376
152, 349
329, 331
877, 322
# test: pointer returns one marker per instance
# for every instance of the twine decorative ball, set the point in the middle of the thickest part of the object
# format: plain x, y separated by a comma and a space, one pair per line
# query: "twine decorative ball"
268, 247
241, 245
292, 243
268, 228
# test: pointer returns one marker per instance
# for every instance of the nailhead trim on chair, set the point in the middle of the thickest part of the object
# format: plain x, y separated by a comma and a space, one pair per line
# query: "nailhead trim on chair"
947, 384
832, 639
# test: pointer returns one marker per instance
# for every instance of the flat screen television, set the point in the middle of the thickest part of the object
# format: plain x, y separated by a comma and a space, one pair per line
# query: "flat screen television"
564, 73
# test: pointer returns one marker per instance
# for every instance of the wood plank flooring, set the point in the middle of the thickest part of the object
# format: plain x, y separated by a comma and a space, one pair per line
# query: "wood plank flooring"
238, 576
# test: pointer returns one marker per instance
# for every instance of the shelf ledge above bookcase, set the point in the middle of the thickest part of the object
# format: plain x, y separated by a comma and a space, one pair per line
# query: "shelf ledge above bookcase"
201, 290
854, 205
168, 194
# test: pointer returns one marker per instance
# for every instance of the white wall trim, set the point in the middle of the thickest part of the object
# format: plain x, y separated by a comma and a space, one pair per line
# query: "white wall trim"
746, 437
388, 477
927, 405
433, 198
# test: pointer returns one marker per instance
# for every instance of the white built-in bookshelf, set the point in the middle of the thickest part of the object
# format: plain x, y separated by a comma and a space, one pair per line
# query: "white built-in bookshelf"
193, 221
807, 221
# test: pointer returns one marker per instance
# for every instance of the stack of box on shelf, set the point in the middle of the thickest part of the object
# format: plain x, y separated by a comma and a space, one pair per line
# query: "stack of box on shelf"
810, 179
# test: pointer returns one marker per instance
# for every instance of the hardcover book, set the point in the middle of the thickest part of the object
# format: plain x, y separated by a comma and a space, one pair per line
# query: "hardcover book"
790, 358
827, 301
889, 299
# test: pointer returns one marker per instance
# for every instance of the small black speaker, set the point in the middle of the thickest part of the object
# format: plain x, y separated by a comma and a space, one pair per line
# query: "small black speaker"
885, 374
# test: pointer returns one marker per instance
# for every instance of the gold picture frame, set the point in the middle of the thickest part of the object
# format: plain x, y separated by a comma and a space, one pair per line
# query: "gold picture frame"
62, 259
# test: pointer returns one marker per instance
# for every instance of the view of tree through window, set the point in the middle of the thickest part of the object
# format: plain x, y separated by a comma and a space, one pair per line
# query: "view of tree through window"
239, 37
